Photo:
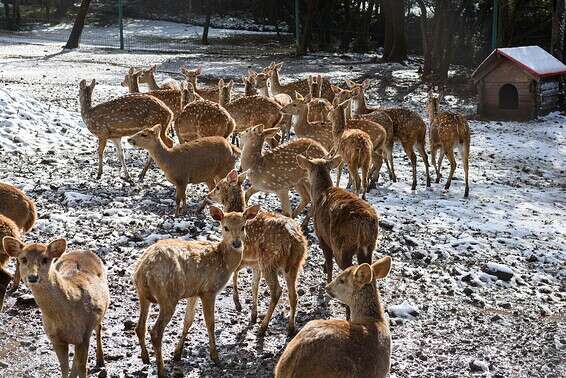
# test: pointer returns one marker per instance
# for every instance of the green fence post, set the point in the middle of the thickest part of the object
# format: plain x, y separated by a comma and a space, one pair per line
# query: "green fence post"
297, 39
121, 22
495, 24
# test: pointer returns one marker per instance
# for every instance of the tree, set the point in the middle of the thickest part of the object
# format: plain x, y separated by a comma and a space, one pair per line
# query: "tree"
78, 26
395, 45
558, 26
307, 27
206, 24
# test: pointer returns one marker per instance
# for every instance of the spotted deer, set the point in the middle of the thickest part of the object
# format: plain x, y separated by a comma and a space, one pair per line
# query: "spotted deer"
7, 228
335, 348
315, 130
277, 170
318, 107
201, 118
446, 130
273, 244
301, 86
71, 290
148, 77
173, 269
200, 161
170, 97
208, 93
408, 128
120, 117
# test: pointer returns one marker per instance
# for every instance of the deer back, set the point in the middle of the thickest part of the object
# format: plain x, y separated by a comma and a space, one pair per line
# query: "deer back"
17, 206
201, 119
249, 111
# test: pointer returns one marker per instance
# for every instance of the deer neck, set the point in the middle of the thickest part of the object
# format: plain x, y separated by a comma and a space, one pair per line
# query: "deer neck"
300, 121
366, 305
359, 105
233, 200
275, 83
251, 154
151, 83
338, 126
133, 85
230, 256
86, 104
51, 294
264, 91
224, 100
432, 111
320, 184
194, 82
160, 153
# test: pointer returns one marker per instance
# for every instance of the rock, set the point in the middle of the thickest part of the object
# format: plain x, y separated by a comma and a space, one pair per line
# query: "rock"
26, 300
479, 366
386, 225
301, 292
129, 325
411, 241
502, 272
102, 373
417, 255
468, 291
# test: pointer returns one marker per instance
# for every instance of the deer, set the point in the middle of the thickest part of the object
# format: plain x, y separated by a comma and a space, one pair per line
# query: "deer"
446, 130
201, 118
377, 134
339, 348
173, 269
301, 86
318, 107
345, 224
340, 94
200, 161
277, 170
71, 290
408, 128
148, 77
120, 117
248, 111
7, 228
273, 244
170, 97
208, 93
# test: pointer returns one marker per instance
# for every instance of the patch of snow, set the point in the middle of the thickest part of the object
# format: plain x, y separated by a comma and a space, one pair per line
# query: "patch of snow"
404, 310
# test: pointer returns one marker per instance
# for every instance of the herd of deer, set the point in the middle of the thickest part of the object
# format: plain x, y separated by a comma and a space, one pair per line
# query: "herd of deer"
333, 127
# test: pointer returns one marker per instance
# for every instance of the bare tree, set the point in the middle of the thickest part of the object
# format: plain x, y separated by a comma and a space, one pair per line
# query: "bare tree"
558, 27
395, 45
78, 26
206, 23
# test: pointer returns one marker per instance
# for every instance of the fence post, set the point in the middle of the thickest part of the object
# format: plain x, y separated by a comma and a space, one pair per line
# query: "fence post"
495, 24
121, 22
297, 37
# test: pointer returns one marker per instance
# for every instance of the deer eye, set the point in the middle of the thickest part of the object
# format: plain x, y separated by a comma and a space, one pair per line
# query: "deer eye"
24, 260
225, 228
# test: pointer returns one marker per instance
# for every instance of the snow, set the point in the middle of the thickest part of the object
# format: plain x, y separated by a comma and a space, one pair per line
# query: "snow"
404, 310
495, 267
533, 58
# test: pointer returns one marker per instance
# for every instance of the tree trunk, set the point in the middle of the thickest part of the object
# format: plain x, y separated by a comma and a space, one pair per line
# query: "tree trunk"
425, 35
362, 42
206, 25
307, 28
558, 26
395, 45
78, 26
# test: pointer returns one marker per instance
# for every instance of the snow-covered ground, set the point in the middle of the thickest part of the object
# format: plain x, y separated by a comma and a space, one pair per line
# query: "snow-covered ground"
477, 285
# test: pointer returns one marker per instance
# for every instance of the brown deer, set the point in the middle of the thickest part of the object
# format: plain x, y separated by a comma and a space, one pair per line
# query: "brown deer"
318, 107
340, 95
148, 77
7, 228
446, 130
376, 132
200, 161
345, 224
208, 93
171, 270
277, 170
71, 290
337, 348
273, 244
248, 111
356, 150
201, 118
170, 97
120, 117
301, 86
319, 131
408, 128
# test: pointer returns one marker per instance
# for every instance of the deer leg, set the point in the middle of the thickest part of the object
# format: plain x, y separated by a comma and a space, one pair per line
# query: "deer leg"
377, 159
120, 151
345, 262
433, 151
208, 300
255, 288
355, 178
440, 159
62, 352
392, 174
365, 177
101, 147
250, 192
450, 154
79, 362
465, 152
413, 158
303, 190
285, 203
17, 277
141, 328
189, 317
291, 279
180, 198
424, 156
235, 294
275, 293
166, 312
99, 348
146, 166
339, 173
327, 260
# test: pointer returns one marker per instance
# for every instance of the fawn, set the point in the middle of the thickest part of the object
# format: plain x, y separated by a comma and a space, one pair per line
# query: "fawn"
202, 160
7, 228
338, 348
170, 97
301, 86
120, 117
345, 224
71, 290
319, 131
171, 270
273, 244
201, 118
148, 77
208, 93
408, 128
277, 170
447, 129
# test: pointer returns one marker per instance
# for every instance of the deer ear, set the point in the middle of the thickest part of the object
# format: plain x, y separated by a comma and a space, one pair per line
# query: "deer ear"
216, 213
350, 83
335, 89
12, 246
269, 133
56, 248
251, 212
184, 70
257, 128
153, 67
252, 73
299, 96
363, 274
279, 65
319, 79
309, 80
242, 177
92, 83
221, 83
82, 84
198, 70
381, 267
304, 162
232, 177
231, 84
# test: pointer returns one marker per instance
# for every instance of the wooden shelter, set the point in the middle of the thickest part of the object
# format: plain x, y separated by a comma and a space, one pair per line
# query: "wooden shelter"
519, 83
